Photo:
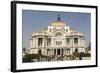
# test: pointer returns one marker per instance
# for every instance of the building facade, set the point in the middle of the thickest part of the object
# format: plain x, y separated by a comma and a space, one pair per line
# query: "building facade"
58, 39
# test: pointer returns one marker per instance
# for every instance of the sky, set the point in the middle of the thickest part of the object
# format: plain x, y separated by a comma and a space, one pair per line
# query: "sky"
33, 20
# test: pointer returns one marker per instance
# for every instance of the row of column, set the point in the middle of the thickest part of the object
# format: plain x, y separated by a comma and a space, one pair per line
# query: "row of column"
34, 42
81, 42
61, 51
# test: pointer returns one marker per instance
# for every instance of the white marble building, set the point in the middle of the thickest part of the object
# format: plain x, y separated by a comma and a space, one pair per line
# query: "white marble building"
57, 39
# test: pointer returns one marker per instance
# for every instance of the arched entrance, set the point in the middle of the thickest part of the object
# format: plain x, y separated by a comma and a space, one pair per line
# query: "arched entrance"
58, 51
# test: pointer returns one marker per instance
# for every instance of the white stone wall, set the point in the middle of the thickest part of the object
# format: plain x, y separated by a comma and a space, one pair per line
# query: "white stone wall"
80, 46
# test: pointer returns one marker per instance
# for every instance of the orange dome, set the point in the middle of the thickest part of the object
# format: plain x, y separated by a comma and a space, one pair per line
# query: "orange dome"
58, 24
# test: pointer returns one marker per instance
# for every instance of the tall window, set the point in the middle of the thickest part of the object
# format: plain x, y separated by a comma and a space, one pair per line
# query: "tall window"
75, 41
48, 42
40, 40
68, 41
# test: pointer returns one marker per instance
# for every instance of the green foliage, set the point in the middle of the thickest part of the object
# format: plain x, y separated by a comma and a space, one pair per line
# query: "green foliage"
81, 54
85, 54
76, 54
29, 57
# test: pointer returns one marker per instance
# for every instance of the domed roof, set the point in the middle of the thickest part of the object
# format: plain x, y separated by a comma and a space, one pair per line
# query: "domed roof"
58, 23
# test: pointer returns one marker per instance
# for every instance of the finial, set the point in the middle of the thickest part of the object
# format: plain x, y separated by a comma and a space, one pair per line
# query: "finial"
58, 19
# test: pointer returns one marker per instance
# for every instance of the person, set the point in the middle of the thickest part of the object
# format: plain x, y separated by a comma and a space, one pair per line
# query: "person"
61, 57
80, 56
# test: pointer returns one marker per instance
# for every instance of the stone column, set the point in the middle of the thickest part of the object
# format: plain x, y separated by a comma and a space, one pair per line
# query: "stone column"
51, 41
36, 42
60, 51
78, 42
33, 42
64, 40
30, 43
73, 45
71, 42
64, 51
82, 41
56, 51
43, 42
52, 51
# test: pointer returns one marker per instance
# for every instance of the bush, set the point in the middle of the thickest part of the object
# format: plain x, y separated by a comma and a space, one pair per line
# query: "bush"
81, 54
76, 54
85, 54
29, 57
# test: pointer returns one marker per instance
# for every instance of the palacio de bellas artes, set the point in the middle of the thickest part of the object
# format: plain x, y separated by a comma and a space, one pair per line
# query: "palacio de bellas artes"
57, 42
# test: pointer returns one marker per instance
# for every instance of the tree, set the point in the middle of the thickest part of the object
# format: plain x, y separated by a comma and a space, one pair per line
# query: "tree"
24, 49
88, 48
76, 54
27, 58
39, 52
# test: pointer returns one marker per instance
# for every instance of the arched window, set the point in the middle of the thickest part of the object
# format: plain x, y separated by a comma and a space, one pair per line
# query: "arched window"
68, 41
40, 40
48, 41
59, 34
76, 41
